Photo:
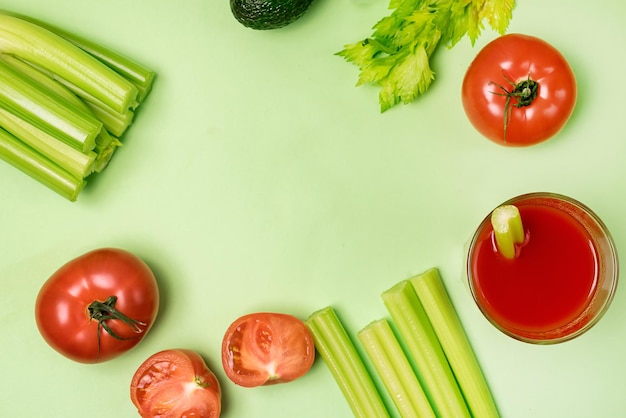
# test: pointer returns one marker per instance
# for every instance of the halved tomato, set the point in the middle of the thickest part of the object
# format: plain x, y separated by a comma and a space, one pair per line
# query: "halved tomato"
267, 348
176, 383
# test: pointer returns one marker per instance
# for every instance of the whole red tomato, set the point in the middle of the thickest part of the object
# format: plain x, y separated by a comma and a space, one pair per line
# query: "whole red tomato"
175, 383
267, 348
97, 306
519, 90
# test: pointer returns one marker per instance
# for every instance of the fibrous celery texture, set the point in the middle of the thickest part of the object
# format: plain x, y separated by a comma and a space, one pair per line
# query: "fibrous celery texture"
426, 363
456, 346
335, 347
424, 349
64, 102
394, 368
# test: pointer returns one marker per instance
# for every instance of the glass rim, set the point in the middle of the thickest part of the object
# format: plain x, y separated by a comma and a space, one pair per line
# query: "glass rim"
560, 334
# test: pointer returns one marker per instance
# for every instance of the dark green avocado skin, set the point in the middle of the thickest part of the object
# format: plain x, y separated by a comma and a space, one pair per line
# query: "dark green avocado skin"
268, 14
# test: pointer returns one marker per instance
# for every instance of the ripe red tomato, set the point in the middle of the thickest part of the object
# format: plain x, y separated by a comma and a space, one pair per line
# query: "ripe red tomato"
519, 90
176, 383
97, 306
267, 348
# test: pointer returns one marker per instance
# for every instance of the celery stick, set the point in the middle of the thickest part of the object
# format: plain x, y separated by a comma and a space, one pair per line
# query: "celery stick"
26, 99
447, 325
43, 48
106, 145
138, 74
75, 162
114, 122
508, 229
424, 348
340, 355
24, 158
395, 371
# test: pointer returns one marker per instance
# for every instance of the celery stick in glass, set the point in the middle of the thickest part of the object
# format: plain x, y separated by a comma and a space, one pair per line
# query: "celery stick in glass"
48, 50
38, 167
20, 95
447, 325
402, 384
507, 229
340, 355
415, 329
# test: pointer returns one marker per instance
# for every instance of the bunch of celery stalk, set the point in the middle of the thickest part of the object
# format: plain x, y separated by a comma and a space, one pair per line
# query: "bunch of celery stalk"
64, 102
421, 355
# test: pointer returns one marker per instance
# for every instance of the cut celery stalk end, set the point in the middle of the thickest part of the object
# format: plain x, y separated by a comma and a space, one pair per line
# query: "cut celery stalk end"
394, 369
423, 347
138, 74
28, 100
106, 145
24, 158
114, 122
42, 47
508, 229
75, 162
340, 355
456, 346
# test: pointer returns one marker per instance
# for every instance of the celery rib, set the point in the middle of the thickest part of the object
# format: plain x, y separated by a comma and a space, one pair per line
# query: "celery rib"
338, 352
38, 167
138, 74
424, 348
75, 162
395, 370
67, 61
22, 97
456, 346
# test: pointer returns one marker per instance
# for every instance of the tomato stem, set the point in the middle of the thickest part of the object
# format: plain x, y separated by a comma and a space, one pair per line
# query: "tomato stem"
104, 311
521, 94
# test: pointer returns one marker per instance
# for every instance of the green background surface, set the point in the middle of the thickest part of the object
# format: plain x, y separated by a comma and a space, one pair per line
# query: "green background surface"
258, 177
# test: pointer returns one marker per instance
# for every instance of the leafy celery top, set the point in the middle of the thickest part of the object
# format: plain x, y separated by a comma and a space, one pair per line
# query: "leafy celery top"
396, 56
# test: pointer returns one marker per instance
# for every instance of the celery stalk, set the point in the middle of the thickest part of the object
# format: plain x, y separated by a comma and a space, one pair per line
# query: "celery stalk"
75, 162
447, 325
340, 355
141, 76
41, 47
508, 229
24, 158
105, 143
114, 122
424, 348
26, 99
395, 370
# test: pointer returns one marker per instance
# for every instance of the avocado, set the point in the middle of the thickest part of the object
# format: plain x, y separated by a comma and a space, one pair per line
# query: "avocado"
268, 14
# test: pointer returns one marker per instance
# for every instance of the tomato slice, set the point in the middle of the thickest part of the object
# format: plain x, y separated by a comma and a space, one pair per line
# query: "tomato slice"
267, 348
176, 383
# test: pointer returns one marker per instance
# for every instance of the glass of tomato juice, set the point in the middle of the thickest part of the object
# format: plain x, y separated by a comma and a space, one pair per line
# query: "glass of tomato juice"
561, 280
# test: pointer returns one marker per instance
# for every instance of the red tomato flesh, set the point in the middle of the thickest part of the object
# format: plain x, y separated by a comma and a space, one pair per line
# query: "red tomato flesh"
176, 383
267, 348
503, 64
69, 302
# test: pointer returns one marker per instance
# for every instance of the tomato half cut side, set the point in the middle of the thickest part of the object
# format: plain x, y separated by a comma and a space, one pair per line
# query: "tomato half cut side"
97, 306
519, 91
267, 348
176, 383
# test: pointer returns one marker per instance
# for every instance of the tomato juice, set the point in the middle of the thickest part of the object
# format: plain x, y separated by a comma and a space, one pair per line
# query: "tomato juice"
561, 280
